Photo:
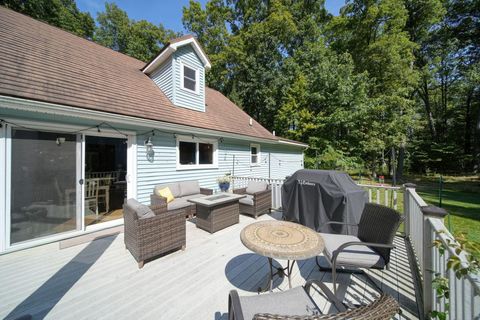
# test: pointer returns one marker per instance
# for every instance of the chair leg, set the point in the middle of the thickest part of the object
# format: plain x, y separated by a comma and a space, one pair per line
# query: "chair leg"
334, 280
140, 264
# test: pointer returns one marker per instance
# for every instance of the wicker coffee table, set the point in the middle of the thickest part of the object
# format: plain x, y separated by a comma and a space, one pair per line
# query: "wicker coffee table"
218, 211
282, 240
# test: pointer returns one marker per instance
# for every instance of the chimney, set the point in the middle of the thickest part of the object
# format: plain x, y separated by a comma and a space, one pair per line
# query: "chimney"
251, 122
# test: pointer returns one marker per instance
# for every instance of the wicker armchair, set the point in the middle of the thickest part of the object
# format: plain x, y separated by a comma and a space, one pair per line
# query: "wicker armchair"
190, 210
150, 237
297, 304
370, 249
256, 203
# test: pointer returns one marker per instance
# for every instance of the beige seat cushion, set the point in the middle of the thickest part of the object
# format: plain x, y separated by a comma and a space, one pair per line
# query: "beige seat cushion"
357, 256
248, 200
178, 203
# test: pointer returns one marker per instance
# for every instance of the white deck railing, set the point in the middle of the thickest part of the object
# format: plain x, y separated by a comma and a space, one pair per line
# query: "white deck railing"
423, 226
275, 185
380, 194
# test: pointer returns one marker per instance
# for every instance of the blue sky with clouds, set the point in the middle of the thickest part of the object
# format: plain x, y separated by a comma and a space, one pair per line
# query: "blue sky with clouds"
167, 12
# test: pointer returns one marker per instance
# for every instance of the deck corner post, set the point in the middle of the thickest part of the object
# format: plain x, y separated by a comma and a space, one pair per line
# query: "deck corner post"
429, 236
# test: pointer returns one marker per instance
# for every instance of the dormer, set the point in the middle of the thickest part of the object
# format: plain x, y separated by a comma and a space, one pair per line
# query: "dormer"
179, 71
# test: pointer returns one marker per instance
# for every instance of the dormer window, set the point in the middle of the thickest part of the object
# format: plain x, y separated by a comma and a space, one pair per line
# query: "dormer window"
189, 78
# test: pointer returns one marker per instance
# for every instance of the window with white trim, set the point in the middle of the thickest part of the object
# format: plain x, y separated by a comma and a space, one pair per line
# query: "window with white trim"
196, 153
254, 154
189, 78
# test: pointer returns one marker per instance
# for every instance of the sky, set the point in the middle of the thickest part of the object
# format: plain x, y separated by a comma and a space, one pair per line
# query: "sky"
167, 12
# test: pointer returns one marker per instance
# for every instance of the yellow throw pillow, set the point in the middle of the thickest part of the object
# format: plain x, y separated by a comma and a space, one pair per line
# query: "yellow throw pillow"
166, 193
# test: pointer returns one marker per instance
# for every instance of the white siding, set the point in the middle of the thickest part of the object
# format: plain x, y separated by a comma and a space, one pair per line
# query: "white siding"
233, 157
182, 97
163, 78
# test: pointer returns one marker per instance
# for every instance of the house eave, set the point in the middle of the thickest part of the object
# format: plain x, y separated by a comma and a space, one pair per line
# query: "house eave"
35, 106
171, 48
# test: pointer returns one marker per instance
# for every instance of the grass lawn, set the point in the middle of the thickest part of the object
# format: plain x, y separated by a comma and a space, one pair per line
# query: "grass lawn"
460, 197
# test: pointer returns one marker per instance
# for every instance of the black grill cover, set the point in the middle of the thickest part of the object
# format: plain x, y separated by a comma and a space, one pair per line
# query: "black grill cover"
314, 197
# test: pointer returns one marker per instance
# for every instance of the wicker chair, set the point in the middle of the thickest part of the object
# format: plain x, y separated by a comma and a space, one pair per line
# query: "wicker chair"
150, 237
256, 203
370, 249
297, 304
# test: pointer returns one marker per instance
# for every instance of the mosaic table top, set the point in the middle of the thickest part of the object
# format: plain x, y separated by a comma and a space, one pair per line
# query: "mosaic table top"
282, 240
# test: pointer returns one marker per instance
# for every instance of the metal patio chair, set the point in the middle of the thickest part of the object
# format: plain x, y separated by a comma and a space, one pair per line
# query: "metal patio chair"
370, 249
297, 304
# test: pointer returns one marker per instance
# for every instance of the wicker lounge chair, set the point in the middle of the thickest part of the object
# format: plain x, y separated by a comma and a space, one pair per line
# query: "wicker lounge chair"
370, 249
151, 236
258, 200
297, 304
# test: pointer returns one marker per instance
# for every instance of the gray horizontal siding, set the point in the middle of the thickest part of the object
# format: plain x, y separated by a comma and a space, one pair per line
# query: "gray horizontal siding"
162, 168
163, 78
182, 97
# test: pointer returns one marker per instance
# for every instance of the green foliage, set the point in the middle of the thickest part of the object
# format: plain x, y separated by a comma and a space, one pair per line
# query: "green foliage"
332, 159
138, 39
463, 248
60, 13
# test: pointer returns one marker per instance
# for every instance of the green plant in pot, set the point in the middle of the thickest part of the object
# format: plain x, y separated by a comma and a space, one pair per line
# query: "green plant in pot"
224, 182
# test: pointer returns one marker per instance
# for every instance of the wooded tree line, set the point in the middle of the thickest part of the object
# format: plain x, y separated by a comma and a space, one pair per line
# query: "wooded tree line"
386, 85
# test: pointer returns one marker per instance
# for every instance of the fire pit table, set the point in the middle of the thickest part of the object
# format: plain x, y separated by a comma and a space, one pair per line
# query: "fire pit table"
218, 211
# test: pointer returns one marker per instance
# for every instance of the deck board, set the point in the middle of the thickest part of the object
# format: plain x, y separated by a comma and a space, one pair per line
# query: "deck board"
101, 280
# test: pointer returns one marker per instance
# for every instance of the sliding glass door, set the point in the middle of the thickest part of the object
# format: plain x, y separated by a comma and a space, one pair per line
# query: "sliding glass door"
44, 188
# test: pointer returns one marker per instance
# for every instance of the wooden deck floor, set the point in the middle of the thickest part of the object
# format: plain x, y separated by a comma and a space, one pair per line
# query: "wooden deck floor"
100, 280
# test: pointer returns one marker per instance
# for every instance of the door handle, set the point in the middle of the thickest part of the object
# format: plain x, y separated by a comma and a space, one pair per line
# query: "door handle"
80, 181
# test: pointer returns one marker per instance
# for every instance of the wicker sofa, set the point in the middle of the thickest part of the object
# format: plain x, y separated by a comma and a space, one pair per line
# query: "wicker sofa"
152, 230
182, 192
258, 198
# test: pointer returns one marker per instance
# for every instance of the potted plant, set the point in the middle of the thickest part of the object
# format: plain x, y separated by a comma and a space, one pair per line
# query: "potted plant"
224, 182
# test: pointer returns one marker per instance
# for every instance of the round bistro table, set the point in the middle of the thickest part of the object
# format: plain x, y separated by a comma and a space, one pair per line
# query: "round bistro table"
282, 240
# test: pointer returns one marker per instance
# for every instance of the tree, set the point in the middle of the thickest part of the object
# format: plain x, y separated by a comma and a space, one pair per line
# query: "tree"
60, 13
139, 39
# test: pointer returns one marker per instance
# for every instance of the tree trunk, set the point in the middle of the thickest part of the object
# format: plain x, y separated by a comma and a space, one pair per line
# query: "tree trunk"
428, 109
477, 143
400, 162
468, 124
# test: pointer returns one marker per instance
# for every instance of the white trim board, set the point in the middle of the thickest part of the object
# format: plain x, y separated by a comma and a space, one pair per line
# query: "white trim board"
69, 111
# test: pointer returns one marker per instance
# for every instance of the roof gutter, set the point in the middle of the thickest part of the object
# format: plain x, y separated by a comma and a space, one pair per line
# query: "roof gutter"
293, 143
87, 114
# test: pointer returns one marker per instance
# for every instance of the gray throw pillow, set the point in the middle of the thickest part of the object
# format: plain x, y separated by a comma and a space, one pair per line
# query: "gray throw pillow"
189, 187
256, 186
174, 189
142, 211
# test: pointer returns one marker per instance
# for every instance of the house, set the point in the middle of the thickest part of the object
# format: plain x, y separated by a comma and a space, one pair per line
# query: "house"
82, 127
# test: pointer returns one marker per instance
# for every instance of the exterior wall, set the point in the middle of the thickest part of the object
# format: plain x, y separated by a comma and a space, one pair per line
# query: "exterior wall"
163, 77
233, 157
182, 97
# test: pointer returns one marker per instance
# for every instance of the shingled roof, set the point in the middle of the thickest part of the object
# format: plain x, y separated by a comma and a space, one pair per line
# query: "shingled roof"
41, 62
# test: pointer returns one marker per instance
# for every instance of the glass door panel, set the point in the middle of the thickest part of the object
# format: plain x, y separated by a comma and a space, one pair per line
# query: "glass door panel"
105, 179
43, 188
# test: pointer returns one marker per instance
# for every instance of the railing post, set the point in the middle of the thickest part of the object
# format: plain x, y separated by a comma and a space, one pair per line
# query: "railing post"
429, 212
406, 207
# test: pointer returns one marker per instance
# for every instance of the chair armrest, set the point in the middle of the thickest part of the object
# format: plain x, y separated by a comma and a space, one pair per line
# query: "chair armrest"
261, 193
234, 306
240, 191
330, 296
156, 200
206, 191
159, 208
341, 223
359, 243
